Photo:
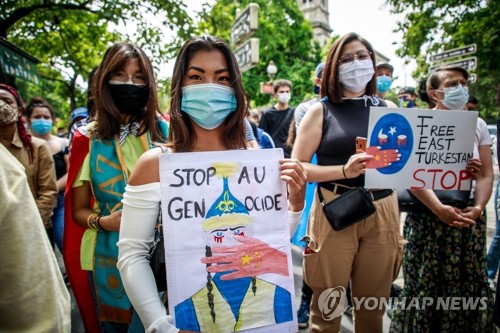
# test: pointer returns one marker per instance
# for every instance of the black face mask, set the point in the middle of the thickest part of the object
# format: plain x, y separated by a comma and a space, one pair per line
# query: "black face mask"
129, 98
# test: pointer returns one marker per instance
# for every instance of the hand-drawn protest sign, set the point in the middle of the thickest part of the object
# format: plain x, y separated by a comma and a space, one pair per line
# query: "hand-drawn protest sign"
227, 241
433, 147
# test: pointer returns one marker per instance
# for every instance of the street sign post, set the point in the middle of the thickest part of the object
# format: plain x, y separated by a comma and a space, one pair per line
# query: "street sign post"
247, 55
452, 53
469, 64
245, 24
246, 49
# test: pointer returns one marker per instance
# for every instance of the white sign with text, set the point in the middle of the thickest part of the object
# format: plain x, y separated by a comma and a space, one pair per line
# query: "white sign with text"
420, 149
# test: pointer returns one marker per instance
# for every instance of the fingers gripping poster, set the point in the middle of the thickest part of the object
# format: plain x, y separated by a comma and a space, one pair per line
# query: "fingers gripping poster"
227, 241
417, 149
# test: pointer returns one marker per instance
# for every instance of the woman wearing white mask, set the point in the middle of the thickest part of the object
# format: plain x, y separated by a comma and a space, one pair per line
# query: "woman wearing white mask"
208, 108
367, 253
445, 256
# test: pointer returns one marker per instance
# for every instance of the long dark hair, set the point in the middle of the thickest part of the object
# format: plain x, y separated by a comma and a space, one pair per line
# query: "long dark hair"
330, 85
108, 117
182, 137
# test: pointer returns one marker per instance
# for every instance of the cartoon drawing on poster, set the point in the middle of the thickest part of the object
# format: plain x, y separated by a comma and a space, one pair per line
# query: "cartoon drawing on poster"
236, 263
420, 149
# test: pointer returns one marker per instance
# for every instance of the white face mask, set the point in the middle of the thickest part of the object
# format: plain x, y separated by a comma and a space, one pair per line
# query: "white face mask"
355, 75
284, 97
455, 98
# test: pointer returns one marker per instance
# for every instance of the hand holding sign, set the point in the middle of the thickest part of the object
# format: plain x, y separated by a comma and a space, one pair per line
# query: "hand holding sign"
381, 158
253, 257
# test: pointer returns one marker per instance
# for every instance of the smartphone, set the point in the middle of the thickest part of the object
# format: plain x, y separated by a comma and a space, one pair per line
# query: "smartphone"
360, 144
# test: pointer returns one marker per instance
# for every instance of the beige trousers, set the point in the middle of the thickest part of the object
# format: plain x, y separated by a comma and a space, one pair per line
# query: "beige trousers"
368, 254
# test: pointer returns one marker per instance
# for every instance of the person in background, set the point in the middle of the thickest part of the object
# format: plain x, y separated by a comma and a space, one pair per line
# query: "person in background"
472, 103
205, 66
33, 153
276, 120
496, 249
61, 132
422, 93
254, 116
384, 73
33, 296
250, 135
368, 252
263, 138
302, 108
40, 117
445, 254
493, 257
407, 98
81, 116
104, 153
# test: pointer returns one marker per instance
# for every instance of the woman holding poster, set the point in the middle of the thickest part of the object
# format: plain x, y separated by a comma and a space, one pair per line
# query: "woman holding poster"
445, 258
368, 253
208, 109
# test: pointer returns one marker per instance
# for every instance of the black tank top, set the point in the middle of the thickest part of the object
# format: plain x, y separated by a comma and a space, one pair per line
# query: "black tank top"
342, 123
59, 162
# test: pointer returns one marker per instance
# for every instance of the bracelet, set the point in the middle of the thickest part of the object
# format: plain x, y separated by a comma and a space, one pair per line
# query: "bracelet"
91, 217
481, 211
93, 223
343, 171
99, 223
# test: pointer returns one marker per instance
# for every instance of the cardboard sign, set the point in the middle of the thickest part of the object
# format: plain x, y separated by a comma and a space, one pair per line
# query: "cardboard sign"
227, 241
417, 149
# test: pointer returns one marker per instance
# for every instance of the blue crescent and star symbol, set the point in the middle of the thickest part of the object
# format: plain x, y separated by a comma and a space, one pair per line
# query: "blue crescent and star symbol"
393, 131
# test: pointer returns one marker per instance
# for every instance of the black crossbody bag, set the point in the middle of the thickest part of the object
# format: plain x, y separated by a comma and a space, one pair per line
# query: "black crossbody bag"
348, 208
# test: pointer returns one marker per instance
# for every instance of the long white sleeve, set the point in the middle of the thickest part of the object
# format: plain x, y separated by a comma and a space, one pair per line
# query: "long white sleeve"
294, 221
141, 205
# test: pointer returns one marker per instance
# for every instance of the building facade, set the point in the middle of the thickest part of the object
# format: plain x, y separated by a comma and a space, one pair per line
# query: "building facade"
317, 12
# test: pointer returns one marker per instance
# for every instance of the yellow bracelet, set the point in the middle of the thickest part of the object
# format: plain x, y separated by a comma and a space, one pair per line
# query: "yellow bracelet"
481, 214
91, 216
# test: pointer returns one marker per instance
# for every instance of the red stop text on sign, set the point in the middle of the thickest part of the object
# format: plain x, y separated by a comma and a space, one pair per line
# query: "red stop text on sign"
441, 179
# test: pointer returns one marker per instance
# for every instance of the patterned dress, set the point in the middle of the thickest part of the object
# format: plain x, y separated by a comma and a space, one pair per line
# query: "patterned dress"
446, 266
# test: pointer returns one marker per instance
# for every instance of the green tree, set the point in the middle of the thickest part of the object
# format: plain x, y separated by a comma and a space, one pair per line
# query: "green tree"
285, 37
431, 27
70, 36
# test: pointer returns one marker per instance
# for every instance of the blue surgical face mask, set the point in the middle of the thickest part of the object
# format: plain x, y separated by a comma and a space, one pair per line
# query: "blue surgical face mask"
208, 104
383, 83
455, 98
41, 126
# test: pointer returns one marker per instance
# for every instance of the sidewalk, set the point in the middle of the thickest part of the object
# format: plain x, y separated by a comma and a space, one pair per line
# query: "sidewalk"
347, 324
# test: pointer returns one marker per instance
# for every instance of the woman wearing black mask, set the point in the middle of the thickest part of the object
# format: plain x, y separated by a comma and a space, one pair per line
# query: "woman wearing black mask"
104, 154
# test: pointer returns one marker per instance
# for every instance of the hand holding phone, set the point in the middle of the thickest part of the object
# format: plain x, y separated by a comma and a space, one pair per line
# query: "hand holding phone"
360, 144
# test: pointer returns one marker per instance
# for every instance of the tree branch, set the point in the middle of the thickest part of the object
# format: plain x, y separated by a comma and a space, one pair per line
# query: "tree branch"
22, 12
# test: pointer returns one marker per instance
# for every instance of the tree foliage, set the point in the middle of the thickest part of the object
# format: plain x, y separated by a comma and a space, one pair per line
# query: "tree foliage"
70, 36
430, 27
285, 37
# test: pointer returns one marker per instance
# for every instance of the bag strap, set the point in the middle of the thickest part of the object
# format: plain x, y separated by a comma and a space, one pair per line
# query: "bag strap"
283, 122
320, 195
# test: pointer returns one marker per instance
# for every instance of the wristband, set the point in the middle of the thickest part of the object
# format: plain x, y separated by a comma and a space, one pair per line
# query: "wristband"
99, 223
343, 171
